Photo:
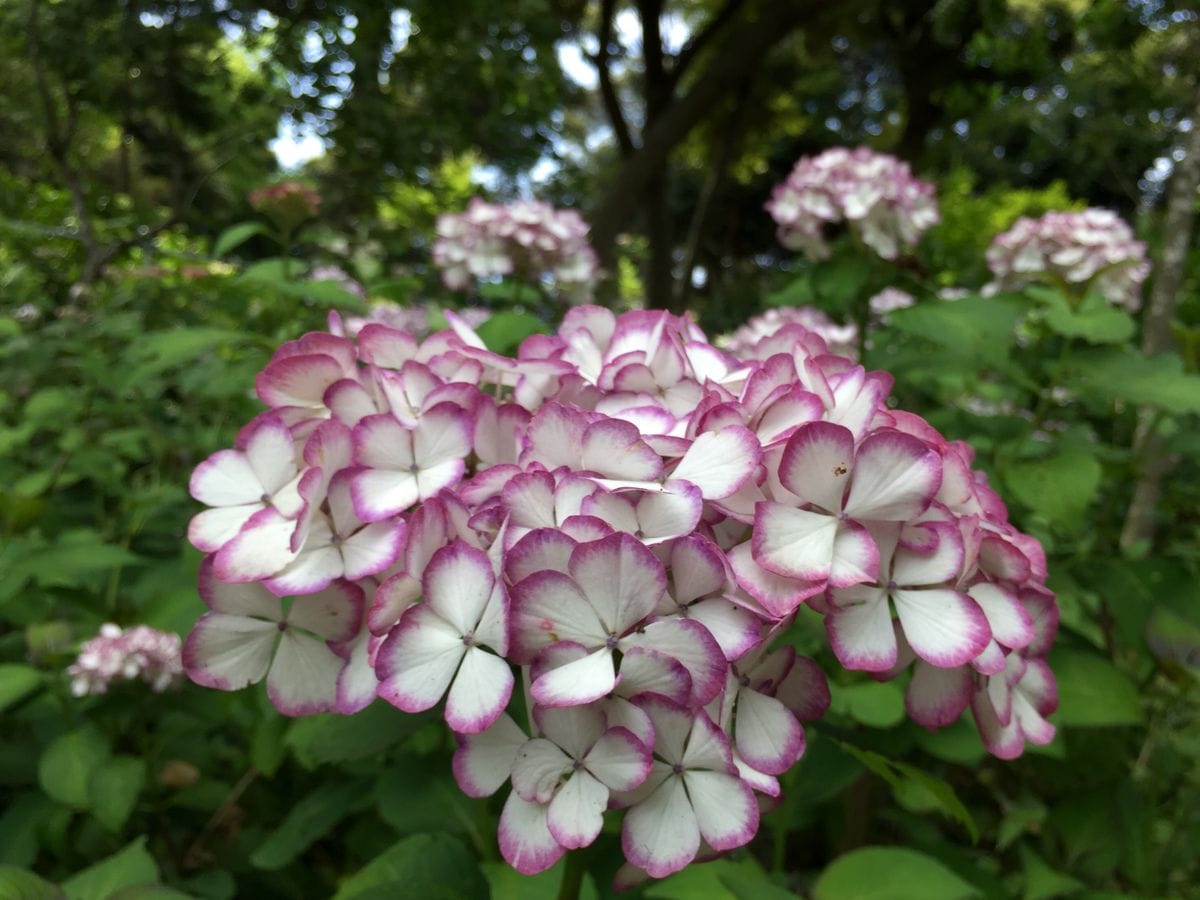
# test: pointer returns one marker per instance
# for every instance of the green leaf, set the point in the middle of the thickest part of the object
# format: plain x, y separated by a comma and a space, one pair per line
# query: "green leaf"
125, 868
878, 704
916, 788
162, 350
506, 883
417, 794
66, 767
20, 884
504, 331
114, 789
310, 820
974, 327
325, 294
276, 272
398, 290
429, 866
71, 561
50, 404
1058, 487
1043, 882
1127, 375
16, 682
1092, 691
236, 235
149, 892
327, 737
722, 879
890, 873
1103, 325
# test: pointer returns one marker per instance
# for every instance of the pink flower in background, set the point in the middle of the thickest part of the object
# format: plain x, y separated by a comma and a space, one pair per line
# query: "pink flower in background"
841, 339
584, 556
528, 238
875, 194
1093, 249
287, 204
117, 654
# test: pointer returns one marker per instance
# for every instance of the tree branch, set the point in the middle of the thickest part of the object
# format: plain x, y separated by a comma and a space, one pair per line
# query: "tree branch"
696, 44
608, 92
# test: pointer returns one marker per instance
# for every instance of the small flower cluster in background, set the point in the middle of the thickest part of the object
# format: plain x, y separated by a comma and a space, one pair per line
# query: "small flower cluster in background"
527, 238
117, 654
840, 339
583, 557
416, 319
875, 194
1094, 248
888, 301
287, 204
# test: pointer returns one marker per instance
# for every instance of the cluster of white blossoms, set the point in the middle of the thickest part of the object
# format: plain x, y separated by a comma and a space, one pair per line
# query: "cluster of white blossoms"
527, 238
117, 654
1093, 249
585, 557
416, 318
875, 194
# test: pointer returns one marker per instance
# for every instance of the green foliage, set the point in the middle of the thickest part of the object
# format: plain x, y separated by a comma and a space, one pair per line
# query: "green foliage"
881, 873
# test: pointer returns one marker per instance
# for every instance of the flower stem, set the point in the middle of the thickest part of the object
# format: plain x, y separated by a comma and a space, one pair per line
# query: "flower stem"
572, 880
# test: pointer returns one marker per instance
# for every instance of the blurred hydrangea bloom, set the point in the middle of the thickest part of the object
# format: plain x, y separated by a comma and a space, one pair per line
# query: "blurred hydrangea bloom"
889, 300
1094, 248
841, 339
286, 204
528, 238
415, 319
117, 654
875, 194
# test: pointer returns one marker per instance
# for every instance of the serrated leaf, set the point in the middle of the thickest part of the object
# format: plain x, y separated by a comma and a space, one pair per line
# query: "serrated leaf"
504, 331
66, 767
429, 866
1092, 691
310, 819
236, 235
1127, 375
114, 789
889, 873
1106, 325
125, 868
877, 704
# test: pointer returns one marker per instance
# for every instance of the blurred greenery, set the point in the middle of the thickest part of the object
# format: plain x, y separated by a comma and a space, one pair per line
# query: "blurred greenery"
140, 292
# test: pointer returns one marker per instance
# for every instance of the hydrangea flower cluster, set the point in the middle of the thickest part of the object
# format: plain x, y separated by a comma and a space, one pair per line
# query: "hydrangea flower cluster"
529, 238
875, 194
287, 203
841, 340
1094, 248
117, 654
416, 318
582, 557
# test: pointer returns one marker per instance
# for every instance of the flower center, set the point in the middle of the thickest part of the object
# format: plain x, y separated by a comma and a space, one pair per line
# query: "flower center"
610, 642
677, 769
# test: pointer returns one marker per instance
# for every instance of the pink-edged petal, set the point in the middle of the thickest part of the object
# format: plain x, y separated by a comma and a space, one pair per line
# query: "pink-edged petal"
271, 454
1003, 740
480, 692
578, 682
443, 433
660, 834
860, 632
720, 462
525, 839
767, 735
943, 627
691, 644
335, 613
548, 607
380, 442
539, 550
212, 529
697, 568
621, 578
457, 585
614, 449
805, 690
735, 629
895, 477
937, 697
671, 512
576, 814
383, 346
396, 594
226, 479
724, 808
621, 713
304, 676
672, 726
707, 746
943, 564
373, 549
248, 599
484, 761
529, 500
619, 760
991, 660
357, 683
816, 464
776, 595
650, 672
261, 548
758, 781
538, 768
311, 571
229, 652
855, 556
794, 543
382, 493
439, 476
298, 380
1009, 620
418, 660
